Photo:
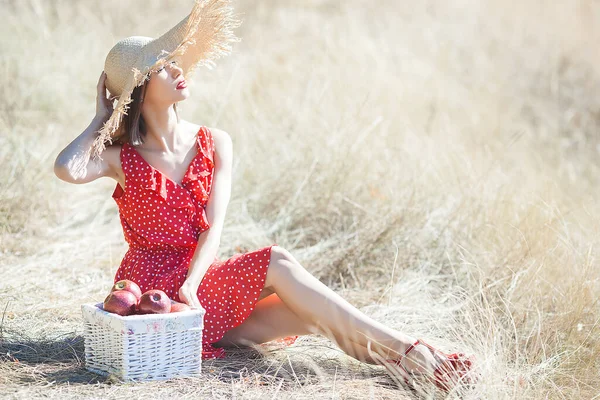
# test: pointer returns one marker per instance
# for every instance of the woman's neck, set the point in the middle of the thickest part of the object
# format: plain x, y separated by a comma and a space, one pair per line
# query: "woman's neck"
162, 130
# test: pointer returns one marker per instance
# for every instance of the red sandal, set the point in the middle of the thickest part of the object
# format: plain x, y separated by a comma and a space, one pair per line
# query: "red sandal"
452, 370
399, 362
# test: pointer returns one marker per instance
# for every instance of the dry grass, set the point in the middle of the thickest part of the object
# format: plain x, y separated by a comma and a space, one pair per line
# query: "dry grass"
436, 163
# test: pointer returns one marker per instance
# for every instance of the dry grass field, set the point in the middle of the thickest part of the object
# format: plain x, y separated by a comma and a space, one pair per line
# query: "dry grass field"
435, 163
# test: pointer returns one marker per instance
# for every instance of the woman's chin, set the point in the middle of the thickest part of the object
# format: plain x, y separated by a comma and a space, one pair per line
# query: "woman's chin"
184, 93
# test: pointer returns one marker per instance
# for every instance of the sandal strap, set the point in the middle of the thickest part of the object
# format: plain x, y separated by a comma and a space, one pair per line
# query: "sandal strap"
408, 350
411, 347
400, 362
442, 374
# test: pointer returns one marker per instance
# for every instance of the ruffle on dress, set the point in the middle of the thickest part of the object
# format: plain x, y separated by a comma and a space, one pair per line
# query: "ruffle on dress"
193, 192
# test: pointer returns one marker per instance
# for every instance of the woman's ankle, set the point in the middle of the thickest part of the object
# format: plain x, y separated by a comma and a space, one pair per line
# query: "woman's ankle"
421, 360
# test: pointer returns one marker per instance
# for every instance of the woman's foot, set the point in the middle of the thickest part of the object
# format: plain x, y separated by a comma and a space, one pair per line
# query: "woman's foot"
444, 370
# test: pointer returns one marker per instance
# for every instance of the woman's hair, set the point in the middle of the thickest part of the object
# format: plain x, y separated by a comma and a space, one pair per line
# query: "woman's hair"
133, 126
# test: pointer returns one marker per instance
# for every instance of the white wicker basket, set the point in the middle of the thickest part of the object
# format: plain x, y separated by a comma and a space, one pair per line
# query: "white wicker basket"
143, 347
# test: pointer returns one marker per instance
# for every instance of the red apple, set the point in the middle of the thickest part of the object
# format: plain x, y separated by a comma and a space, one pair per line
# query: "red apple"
120, 302
177, 306
154, 301
130, 286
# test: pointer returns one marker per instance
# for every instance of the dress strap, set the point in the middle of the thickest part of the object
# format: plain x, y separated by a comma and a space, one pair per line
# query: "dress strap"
126, 164
207, 144
123, 157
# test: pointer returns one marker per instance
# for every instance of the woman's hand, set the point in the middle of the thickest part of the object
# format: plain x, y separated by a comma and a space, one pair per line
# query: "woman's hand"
188, 293
104, 106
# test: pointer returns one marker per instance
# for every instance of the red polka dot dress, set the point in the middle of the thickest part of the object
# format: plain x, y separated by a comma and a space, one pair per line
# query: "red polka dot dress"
162, 221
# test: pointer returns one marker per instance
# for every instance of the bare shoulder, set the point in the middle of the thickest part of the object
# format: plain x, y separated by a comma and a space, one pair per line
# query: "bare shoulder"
223, 147
113, 153
112, 158
219, 136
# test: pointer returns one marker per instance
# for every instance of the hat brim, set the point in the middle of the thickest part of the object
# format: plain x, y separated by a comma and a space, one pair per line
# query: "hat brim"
205, 35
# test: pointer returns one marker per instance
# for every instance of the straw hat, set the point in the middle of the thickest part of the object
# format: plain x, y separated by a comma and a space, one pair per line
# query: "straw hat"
201, 37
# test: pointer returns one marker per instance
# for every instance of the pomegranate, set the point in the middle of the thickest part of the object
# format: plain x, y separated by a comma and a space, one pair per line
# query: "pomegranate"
120, 302
154, 301
130, 286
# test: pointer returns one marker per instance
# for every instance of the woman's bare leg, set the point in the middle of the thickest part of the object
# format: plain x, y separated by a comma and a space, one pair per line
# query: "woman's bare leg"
319, 306
271, 319
353, 349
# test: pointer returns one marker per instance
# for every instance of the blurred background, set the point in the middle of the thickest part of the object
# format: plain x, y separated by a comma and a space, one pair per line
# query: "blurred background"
436, 163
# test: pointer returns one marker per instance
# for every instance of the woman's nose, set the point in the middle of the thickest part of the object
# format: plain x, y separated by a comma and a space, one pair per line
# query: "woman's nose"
176, 70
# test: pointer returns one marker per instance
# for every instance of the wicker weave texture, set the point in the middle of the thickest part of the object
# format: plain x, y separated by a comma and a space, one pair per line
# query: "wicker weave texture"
143, 347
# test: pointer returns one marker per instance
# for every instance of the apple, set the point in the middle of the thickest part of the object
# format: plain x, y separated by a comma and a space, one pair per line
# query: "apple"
154, 301
177, 306
130, 286
120, 302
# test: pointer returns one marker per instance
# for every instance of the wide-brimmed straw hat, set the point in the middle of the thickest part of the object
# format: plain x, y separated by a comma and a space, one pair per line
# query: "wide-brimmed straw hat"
203, 36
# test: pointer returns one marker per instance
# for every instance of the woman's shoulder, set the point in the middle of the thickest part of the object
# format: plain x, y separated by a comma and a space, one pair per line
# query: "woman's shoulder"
190, 126
113, 152
112, 155
192, 129
214, 132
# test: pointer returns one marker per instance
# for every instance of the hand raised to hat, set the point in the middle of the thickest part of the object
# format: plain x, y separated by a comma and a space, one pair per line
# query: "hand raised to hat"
104, 106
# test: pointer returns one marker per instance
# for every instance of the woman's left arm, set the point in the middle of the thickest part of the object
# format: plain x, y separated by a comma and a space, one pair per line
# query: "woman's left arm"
216, 208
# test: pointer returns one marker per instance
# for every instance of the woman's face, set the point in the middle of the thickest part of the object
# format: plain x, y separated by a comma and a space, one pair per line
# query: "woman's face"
162, 86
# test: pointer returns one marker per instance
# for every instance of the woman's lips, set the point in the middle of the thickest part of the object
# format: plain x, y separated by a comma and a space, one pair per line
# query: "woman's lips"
181, 85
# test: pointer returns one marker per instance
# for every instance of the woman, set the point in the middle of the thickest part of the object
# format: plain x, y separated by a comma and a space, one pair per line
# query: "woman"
173, 187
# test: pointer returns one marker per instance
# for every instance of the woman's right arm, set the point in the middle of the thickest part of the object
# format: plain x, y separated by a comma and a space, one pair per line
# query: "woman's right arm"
77, 152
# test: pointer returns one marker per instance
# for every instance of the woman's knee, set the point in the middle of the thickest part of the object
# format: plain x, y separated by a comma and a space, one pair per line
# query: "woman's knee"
282, 262
279, 254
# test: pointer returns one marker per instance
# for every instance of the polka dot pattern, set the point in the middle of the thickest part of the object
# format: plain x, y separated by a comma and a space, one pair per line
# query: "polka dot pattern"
162, 221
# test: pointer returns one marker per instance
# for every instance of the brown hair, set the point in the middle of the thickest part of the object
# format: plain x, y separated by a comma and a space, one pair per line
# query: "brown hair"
133, 126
